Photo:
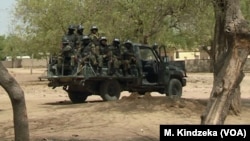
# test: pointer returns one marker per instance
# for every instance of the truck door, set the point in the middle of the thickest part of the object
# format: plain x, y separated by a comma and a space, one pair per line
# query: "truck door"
153, 66
163, 73
149, 63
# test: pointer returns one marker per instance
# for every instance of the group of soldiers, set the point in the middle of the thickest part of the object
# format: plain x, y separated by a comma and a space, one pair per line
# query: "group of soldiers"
79, 50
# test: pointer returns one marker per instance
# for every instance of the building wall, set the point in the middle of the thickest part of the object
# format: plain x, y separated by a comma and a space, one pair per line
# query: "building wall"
195, 65
185, 55
26, 63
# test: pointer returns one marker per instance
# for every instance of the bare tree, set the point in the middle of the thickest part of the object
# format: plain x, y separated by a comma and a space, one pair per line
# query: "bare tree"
16, 94
231, 47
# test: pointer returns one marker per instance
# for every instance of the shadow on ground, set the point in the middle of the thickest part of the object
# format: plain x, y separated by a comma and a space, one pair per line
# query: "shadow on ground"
67, 102
149, 104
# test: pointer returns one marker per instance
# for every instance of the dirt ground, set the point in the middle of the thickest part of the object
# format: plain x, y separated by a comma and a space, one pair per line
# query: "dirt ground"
52, 117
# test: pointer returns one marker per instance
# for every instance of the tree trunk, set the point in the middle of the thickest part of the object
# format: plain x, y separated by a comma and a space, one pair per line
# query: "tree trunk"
231, 48
16, 94
235, 106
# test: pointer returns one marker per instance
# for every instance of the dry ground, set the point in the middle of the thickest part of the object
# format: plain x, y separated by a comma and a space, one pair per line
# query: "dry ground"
52, 117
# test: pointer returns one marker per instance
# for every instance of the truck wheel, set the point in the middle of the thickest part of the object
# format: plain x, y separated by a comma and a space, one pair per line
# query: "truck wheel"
174, 89
110, 90
77, 97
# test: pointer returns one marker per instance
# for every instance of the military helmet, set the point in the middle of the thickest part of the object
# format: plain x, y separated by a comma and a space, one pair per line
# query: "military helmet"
128, 42
94, 28
103, 38
116, 40
71, 27
80, 27
85, 37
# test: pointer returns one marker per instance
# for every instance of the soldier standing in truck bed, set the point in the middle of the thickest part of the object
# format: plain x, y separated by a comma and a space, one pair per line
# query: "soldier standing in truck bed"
79, 36
66, 59
94, 35
71, 36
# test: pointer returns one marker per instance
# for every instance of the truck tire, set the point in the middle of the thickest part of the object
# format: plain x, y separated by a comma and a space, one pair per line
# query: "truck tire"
110, 90
174, 89
77, 97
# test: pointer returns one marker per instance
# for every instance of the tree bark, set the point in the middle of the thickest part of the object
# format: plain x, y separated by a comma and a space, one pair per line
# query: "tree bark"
231, 48
235, 106
16, 94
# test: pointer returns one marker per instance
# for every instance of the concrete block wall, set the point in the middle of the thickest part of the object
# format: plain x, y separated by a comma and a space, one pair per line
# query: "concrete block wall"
195, 65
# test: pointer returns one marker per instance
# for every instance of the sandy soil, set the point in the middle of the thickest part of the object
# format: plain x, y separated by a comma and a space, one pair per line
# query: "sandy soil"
52, 117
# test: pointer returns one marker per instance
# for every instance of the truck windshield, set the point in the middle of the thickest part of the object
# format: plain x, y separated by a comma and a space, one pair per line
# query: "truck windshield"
148, 55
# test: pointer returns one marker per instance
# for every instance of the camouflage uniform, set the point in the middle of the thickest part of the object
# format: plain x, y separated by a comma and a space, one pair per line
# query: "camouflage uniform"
103, 53
116, 58
94, 35
79, 36
71, 36
129, 60
66, 60
87, 53
68, 54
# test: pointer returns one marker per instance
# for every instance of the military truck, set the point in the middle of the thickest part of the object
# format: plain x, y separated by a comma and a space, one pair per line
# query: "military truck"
155, 73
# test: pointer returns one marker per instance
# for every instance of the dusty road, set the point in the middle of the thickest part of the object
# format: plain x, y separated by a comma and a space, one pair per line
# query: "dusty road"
52, 117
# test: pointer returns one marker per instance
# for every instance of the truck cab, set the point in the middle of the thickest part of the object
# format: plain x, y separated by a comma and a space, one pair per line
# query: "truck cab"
157, 72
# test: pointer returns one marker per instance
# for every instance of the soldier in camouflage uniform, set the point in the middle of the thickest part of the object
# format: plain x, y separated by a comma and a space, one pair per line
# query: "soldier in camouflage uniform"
94, 35
66, 60
129, 60
79, 36
87, 51
116, 58
71, 36
103, 53
87, 54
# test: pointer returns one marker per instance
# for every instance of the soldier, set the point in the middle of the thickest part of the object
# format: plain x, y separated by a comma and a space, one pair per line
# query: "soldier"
71, 36
87, 53
79, 35
67, 57
115, 60
129, 59
103, 53
88, 50
94, 35
155, 47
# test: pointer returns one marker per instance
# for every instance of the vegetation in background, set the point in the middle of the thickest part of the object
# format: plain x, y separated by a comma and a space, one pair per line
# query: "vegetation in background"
182, 24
